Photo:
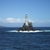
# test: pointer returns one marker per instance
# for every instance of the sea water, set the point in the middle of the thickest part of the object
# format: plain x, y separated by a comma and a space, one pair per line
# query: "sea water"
12, 40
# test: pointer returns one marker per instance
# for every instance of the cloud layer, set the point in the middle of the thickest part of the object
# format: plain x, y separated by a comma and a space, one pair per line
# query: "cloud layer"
19, 20
11, 20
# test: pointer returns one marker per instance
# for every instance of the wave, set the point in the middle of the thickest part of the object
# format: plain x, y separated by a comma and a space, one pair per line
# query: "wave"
47, 30
29, 31
26, 31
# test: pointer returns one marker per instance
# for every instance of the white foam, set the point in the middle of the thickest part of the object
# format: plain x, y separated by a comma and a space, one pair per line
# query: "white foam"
47, 30
13, 31
26, 31
29, 31
20, 31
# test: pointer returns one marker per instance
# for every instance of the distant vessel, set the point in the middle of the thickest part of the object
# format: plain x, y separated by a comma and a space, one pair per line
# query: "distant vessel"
27, 26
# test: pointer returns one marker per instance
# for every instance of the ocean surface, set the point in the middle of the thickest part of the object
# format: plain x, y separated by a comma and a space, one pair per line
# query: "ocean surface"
24, 41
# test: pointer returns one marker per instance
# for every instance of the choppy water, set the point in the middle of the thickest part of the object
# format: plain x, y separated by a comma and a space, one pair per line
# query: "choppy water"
22, 41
